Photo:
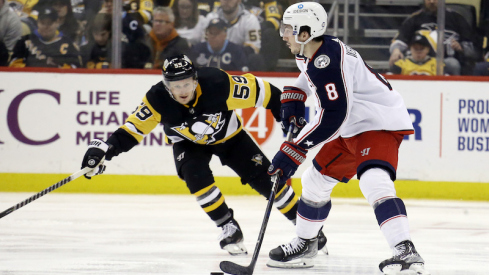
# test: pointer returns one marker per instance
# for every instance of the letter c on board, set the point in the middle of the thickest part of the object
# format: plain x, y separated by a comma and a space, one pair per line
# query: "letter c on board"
13, 117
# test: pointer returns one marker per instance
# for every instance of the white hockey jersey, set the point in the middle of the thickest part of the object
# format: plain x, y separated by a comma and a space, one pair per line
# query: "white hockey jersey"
244, 30
350, 97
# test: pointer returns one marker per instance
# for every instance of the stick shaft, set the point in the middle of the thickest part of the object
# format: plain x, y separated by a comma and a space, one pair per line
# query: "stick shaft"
233, 268
45, 191
275, 179
264, 224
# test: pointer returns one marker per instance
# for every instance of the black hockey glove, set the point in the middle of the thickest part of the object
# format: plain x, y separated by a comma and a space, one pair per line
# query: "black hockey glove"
94, 158
287, 160
293, 109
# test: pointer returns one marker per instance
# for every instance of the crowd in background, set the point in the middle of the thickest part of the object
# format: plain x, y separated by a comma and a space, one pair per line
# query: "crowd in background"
234, 35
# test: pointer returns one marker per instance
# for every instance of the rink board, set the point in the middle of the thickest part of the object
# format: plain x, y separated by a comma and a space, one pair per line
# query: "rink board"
51, 116
139, 184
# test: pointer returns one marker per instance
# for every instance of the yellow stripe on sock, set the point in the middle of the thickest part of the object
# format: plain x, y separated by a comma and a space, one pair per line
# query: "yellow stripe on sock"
281, 190
202, 191
290, 205
214, 206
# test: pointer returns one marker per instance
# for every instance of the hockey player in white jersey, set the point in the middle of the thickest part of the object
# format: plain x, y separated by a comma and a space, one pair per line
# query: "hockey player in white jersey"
360, 123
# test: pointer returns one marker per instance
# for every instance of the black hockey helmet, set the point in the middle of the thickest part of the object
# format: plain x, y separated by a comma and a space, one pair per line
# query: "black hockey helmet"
178, 67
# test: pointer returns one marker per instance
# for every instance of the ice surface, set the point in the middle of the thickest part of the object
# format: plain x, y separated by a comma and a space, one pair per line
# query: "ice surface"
170, 234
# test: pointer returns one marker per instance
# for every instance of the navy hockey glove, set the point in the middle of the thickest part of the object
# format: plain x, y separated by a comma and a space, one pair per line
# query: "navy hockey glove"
286, 161
94, 157
293, 109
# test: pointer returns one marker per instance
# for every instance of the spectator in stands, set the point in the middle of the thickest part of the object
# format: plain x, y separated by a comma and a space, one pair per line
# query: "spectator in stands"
163, 3
10, 31
27, 11
267, 12
96, 54
68, 24
135, 52
460, 38
46, 47
418, 62
84, 12
219, 52
23, 7
188, 21
163, 40
244, 27
140, 10
482, 68
269, 15
207, 6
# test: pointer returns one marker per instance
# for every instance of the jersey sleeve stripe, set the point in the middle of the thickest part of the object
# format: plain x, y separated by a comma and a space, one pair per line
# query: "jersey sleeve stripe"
243, 91
301, 138
139, 128
133, 131
264, 93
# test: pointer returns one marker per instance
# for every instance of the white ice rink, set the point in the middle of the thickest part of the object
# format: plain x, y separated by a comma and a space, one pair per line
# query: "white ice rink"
169, 234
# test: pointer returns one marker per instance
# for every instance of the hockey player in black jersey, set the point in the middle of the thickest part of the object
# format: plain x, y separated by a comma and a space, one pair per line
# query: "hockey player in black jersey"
196, 109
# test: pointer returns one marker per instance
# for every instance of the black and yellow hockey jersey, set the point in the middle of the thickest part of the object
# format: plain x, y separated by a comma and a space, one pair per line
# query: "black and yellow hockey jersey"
209, 119
408, 66
32, 51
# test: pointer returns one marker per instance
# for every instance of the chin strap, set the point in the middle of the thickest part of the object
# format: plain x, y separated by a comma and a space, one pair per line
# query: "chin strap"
302, 43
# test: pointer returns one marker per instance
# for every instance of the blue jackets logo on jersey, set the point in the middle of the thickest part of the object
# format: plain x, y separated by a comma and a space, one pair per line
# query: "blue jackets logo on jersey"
322, 61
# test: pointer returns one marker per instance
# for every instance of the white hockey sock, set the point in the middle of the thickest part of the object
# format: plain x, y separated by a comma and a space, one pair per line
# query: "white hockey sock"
307, 229
379, 190
315, 203
396, 231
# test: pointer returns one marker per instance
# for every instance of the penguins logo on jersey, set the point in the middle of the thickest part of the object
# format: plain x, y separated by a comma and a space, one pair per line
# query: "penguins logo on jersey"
258, 159
202, 129
322, 61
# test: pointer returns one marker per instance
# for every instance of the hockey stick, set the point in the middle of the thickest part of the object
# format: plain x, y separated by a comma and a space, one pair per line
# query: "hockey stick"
236, 269
45, 191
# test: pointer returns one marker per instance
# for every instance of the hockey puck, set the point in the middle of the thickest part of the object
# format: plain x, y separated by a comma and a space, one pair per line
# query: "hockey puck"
217, 273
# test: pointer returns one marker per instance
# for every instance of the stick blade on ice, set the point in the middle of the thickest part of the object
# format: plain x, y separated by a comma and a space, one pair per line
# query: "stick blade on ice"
236, 269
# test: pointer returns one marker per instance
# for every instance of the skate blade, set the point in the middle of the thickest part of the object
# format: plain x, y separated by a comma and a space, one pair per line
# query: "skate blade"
419, 269
296, 263
395, 269
325, 250
236, 249
414, 269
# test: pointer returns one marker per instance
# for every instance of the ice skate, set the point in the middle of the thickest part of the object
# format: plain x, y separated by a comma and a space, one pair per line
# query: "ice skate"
231, 238
406, 261
299, 253
322, 240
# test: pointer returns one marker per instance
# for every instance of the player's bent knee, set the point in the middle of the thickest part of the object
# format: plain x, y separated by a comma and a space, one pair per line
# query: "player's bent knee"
196, 177
262, 184
376, 185
316, 186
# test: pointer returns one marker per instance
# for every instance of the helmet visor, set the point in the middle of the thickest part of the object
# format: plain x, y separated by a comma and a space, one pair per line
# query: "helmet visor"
285, 29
